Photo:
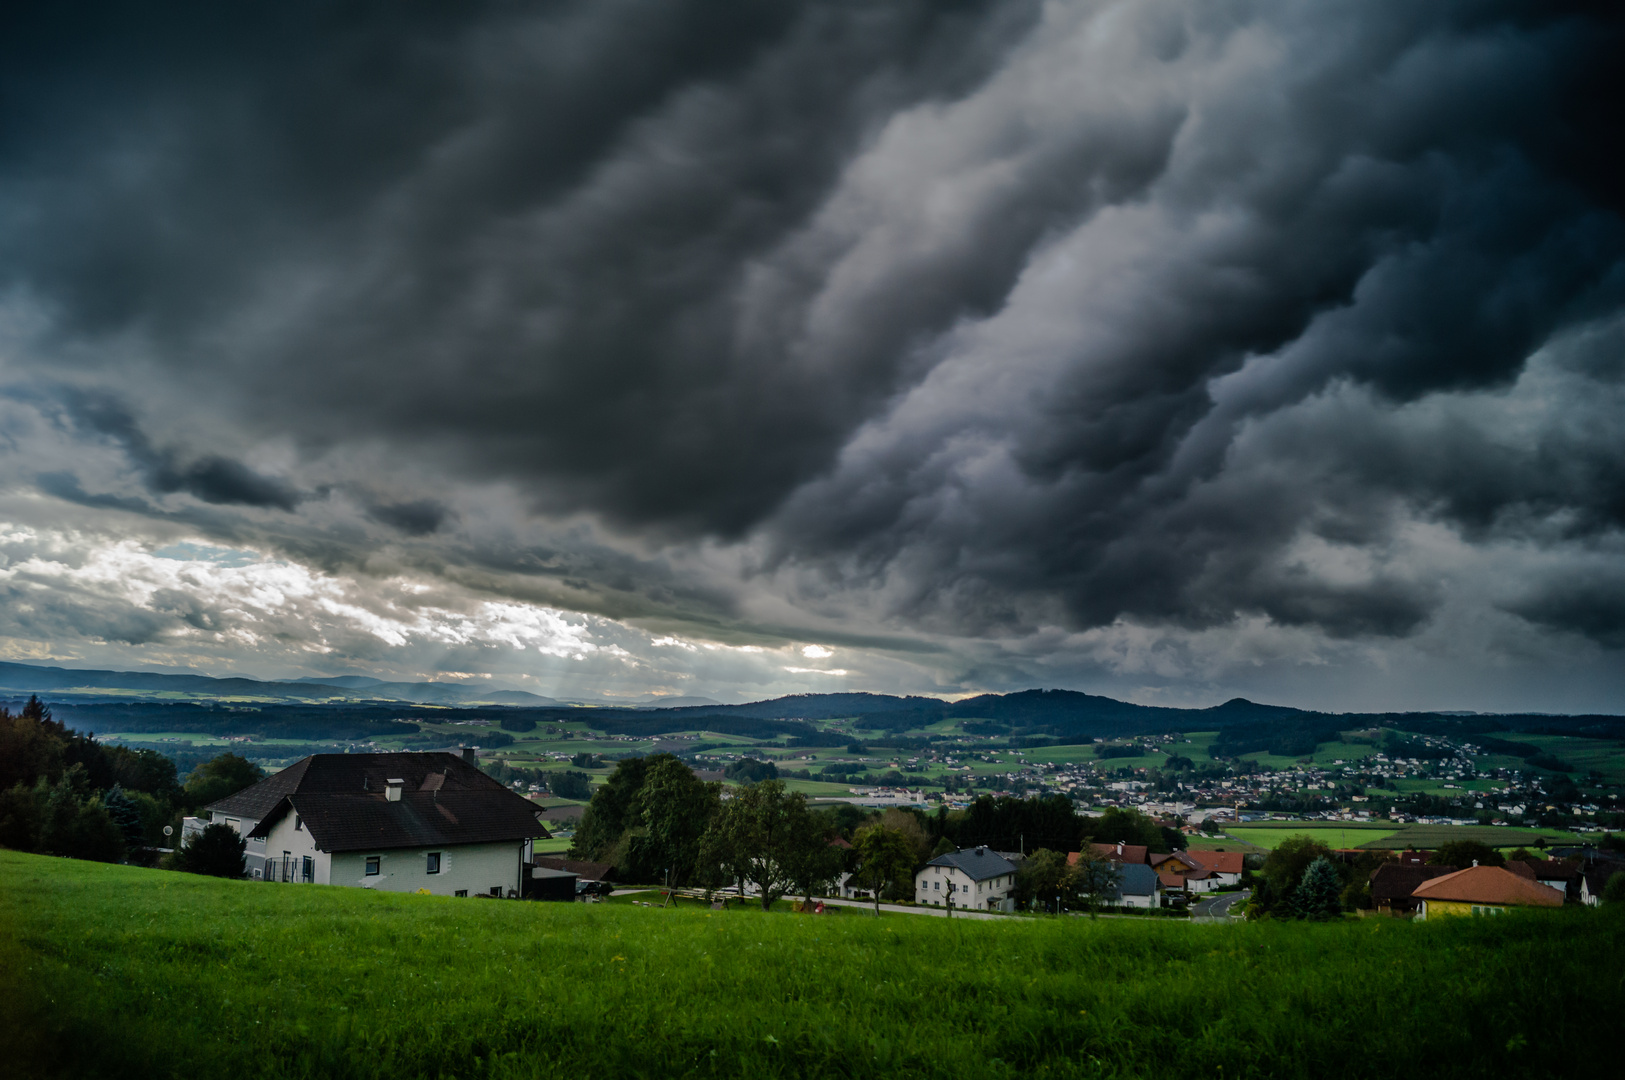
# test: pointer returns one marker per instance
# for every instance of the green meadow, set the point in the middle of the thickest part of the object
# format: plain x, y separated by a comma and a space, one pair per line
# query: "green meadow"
120, 972
1332, 837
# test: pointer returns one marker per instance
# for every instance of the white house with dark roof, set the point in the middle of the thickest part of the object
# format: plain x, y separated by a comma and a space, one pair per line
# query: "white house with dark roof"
969, 878
398, 822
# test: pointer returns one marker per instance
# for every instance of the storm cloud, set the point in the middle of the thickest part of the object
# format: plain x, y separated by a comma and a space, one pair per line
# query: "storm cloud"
1005, 342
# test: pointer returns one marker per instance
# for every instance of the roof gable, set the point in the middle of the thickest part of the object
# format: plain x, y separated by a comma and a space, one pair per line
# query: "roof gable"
1488, 885
978, 864
341, 800
337, 774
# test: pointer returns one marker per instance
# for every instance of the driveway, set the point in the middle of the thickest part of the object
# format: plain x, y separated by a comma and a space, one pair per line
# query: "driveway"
1218, 907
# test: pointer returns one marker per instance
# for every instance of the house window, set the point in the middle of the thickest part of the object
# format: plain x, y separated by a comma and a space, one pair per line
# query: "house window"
434, 862
298, 826
372, 865
496, 890
938, 885
460, 892
309, 869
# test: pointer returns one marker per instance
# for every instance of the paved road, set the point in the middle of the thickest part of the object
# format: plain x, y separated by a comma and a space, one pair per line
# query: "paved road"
1218, 906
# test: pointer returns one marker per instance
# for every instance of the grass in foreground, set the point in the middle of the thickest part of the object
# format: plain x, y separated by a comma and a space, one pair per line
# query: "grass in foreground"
122, 972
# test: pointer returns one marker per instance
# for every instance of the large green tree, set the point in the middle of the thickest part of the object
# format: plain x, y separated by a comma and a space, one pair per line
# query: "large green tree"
671, 810
612, 809
1041, 877
220, 776
886, 860
1282, 871
764, 836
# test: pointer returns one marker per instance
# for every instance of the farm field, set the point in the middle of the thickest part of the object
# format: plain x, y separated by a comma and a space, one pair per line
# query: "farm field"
114, 971
1423, 837
1270, 839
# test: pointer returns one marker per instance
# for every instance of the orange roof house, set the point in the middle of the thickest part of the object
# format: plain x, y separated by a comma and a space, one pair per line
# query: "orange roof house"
1482, 890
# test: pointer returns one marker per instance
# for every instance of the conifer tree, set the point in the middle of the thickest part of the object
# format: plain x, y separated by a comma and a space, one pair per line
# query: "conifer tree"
1316, 896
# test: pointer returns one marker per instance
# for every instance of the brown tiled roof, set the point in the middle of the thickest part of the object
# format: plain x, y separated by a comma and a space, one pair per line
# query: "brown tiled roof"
1130, 853
586, 871
1391, 881
341, 799
1171, 881
1488, 885
1175, 863
1522, 869
1219, 862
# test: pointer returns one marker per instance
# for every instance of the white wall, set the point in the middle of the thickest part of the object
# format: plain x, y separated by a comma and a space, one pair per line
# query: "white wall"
472, 867
931, 887
297, 843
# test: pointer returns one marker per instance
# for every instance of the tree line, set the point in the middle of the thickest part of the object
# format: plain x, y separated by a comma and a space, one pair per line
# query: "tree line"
65, 793
656, 822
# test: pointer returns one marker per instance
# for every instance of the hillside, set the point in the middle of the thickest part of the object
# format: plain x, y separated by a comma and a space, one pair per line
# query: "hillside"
122, 972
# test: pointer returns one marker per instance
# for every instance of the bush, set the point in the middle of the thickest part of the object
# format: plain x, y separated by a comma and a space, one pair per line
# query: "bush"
1614, 891
216, 851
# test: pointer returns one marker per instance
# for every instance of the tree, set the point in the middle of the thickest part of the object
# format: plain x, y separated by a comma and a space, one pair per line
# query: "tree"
611, 810
1093, 880
674, 808
216, 851
887, 855
126, 815
1316, 896
1278, 879
1125, 825
750, 771
570, 785
1042, 877
764, 836
220, 776
1464, 853
1613, 892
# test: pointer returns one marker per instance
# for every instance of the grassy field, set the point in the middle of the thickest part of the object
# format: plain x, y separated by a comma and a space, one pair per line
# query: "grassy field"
1423, 837
1331, 836
114, 971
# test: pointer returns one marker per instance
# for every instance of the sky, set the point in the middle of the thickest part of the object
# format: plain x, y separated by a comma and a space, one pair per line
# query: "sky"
625, 349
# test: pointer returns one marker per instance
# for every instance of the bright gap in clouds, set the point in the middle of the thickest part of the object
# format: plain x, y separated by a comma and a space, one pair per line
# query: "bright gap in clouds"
217, 609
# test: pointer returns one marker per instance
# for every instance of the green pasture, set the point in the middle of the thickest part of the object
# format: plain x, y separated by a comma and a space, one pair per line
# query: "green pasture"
110, 971
1605, 756
1332, 836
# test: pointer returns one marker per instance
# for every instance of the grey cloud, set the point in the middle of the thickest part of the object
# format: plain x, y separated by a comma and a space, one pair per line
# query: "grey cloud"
912, 322
418, 517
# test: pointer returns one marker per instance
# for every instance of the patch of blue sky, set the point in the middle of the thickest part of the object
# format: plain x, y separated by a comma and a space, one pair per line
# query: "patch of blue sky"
220, 556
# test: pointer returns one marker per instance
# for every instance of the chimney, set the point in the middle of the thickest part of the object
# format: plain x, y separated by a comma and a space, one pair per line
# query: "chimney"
981, 851
1120, 847
469, 755
392, 789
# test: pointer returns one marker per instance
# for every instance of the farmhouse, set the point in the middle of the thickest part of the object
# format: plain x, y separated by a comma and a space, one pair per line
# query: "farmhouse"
1482, 890
398, 822
969, 878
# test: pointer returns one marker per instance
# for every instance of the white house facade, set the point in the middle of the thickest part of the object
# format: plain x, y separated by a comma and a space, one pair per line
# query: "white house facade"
396, 822
971, 878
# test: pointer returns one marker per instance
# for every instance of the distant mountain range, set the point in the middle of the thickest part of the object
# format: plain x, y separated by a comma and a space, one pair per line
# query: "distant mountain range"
85, 685
1037, 716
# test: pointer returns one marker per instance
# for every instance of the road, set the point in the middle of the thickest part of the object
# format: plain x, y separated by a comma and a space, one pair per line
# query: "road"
1216, 907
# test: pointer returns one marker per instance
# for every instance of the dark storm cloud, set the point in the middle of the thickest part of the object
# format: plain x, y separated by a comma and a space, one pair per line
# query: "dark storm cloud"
968, 317
211, 478
419, 517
